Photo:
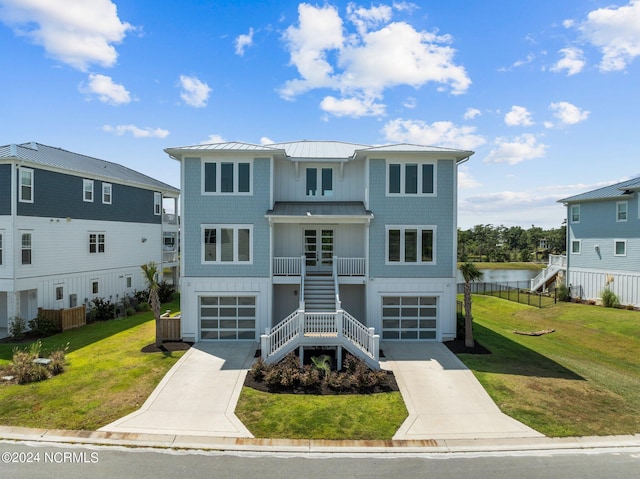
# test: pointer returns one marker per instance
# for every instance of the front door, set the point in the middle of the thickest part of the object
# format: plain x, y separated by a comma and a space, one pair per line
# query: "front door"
318, 249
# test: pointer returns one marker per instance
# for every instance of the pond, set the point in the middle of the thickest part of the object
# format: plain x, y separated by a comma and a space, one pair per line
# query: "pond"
504, 275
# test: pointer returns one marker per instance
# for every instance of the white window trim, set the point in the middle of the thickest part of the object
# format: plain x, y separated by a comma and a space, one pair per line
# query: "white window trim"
579, 246
104, 242
571, 220
219, 228
626, 211
403, 228
236, 177
403, 164
97, 281
157, 203
615, 241
55, 291
86, 183
128, 279
106, 186
31, 175
20, 234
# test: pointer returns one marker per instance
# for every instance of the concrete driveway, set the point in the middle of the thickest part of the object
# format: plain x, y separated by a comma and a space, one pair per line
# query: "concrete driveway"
199, 394
443, 397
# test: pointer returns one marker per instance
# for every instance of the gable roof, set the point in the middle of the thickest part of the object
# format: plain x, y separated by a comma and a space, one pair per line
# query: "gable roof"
57, 158
615, 191
310, 150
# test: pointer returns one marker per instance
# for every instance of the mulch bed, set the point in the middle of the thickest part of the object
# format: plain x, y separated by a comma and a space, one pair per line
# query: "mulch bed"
167, 347
457, 347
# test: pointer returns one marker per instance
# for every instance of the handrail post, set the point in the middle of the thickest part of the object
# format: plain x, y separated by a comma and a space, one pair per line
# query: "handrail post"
340, 323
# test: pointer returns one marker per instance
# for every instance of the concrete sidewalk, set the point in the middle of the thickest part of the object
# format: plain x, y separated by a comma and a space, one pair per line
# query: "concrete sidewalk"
443, 397
198, 395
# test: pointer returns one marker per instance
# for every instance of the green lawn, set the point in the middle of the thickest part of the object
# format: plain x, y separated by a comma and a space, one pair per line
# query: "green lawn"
583, 379
298, 416
107, 376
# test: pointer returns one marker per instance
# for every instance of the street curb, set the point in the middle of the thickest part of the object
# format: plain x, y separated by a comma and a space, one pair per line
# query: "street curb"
171, 441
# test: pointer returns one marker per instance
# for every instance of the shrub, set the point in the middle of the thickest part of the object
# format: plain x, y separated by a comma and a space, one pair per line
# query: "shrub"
141, 296
609, 298
165, 292
141, 307
130, 311
18, 328
563, 293
58, 360
258, 369
102, 310
26, 370
43, 326
310, 377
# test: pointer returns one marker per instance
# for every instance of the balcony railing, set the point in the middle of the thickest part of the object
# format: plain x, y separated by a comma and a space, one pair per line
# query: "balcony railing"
169, 256
292, 266
169, 219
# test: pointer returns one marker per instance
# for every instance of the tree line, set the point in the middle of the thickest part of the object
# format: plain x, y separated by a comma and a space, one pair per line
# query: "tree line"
501, 244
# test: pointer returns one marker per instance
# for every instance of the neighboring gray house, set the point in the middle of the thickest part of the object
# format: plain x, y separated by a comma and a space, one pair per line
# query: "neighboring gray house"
73, 228
603, 235
318, 243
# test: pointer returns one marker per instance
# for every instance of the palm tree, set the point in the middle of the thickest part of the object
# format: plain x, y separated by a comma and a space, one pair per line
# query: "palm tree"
150, 271
469, 273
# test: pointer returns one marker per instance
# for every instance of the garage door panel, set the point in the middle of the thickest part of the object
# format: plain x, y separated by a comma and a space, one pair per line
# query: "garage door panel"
227, 317
409, 317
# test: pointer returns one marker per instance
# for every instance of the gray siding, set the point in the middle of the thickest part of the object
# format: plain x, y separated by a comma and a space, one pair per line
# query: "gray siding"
5, 189
225, 209
412, 211
58, 195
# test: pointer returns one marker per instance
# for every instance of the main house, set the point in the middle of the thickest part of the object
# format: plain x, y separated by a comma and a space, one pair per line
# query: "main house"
318, 243
603, 248
74, 228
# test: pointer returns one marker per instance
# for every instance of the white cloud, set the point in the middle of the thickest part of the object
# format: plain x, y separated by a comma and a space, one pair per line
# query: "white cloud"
471, 113
243, 41
440, 133
363, 63
410, 103
136, 132
107, 91
518, 116
76, 32
568, 114
513, 151
572, 61
266, 141
213, 139
353, 107
465, 180
194, 92
616, 32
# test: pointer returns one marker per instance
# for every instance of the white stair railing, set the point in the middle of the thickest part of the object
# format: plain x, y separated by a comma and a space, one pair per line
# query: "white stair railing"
285, 332
556, 263
362, 337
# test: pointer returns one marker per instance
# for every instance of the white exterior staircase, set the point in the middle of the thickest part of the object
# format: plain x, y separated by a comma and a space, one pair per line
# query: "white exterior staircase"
321, 321
557, 263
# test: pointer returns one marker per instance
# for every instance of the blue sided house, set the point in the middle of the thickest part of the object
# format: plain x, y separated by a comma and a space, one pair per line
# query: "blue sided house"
318, 244
603, 230
75, 228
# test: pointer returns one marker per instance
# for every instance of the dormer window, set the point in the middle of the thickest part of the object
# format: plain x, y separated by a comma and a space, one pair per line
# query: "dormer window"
326, 182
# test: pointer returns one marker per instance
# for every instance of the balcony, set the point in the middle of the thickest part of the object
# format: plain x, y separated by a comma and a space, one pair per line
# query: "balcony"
287, 269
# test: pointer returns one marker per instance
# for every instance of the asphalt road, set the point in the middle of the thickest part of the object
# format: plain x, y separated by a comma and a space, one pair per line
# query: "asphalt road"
31, 460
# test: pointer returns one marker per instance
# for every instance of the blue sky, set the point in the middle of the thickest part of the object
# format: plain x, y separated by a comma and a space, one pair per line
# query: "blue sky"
545, 92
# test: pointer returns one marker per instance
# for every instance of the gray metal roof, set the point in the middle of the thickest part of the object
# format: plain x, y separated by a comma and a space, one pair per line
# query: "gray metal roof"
308, 150
82, 165
615, 191
320, 208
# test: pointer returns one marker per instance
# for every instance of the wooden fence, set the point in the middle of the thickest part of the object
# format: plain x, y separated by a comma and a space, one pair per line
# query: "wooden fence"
65, 318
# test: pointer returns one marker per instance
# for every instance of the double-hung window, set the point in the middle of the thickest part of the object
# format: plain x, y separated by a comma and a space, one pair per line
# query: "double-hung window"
322, 186
226, 177
406, 179
575, 246
575, 213
621, 211
410, 244
157, 203
25, 176
87, 190
26, 248
96, 242
227, 244
107, 193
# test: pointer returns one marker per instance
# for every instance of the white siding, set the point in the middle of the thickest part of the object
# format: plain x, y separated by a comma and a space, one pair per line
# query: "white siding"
588, 284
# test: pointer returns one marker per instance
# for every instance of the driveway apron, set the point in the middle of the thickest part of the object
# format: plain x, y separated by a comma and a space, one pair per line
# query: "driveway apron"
198, 395
443, 397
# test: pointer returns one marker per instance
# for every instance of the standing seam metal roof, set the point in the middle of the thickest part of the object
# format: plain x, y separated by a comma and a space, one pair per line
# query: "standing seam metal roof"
81, 164
608, 192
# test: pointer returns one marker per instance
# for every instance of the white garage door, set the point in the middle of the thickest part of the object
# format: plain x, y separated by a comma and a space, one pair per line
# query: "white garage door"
409, 317
227, 317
